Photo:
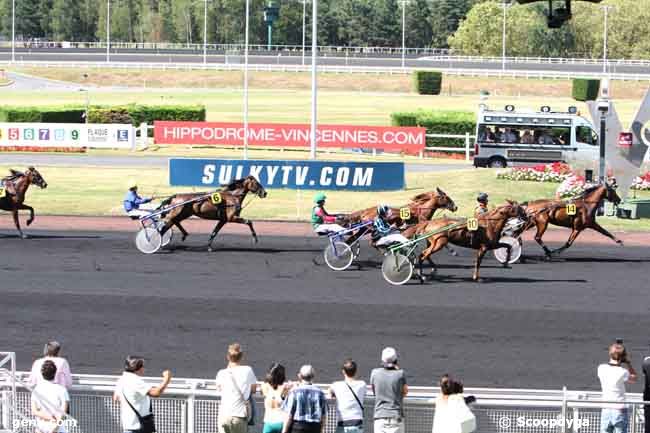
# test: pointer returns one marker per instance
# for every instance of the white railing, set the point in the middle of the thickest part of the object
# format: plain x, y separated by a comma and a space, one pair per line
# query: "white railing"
192, 405
467, 148
329, 69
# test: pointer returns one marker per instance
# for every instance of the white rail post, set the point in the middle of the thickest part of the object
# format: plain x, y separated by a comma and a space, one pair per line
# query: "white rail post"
633, 419
564, 410
467, 146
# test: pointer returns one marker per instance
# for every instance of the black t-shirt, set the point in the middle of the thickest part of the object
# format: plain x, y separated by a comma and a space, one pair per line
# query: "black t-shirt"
646, 372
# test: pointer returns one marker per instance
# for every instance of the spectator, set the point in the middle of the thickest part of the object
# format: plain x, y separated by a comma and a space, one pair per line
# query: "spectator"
646, 393
305, 406
510, 136
236, 384
50, 401
51, 353
274, 390
498, 135
527, 138
134, 394
452, 414
389, 386
546, 138
613, 376
349, 394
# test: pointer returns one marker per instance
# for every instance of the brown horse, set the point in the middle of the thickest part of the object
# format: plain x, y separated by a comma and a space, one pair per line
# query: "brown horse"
421, 208
15, 187
544, 212
226, 210
485, 238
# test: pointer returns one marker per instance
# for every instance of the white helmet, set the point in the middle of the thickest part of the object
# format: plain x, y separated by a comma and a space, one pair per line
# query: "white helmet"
382, 209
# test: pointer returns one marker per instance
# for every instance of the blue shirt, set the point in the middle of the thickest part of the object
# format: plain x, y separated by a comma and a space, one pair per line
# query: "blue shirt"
133, 201
306, 403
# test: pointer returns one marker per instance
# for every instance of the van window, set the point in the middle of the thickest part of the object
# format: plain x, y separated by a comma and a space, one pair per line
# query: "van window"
585, 134
524, 134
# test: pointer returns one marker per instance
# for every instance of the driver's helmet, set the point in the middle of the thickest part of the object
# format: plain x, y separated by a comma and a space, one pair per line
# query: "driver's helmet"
482, 198
382, 210
319, 197
131, 183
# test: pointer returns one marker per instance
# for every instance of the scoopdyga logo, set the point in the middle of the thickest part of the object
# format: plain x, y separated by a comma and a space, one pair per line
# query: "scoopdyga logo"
122, 135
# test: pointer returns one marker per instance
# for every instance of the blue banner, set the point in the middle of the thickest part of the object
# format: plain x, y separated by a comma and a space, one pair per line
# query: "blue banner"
317, 175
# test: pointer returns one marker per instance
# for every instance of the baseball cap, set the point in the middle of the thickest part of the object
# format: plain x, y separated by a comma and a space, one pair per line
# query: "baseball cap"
389, 356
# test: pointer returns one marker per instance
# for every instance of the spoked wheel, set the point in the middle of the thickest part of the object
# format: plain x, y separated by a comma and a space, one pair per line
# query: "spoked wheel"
356, 249
397, 269
338, 256
169, 234
148, 240
515, 252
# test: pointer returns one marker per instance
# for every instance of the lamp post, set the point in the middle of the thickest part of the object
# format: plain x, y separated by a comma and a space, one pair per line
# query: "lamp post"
13, 31
246, 82
304, 13
503, 42
314, 66
606, 9
404, 32
108, 31
205, 32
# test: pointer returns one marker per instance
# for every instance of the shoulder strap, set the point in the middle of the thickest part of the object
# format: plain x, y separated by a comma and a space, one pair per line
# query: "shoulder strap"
355, 397
131, 406
232, 378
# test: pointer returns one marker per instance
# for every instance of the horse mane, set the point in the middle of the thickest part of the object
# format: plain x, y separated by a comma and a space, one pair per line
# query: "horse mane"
425, 196
14, 174
235, 184
589, 190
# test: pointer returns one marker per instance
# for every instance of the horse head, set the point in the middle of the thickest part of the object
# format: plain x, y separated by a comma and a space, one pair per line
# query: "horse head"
611, 194
253, 185
35, 177
512, 209
444, 201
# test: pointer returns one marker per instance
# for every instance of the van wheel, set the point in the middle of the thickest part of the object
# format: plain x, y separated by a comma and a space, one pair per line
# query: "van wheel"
497, 163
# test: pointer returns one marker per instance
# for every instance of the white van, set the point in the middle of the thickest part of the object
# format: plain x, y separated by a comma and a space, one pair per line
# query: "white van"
510, 137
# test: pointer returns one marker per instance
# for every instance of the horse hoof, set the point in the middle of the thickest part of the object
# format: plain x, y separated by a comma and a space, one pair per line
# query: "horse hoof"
29, 222
620, 242
24, 236
210, 250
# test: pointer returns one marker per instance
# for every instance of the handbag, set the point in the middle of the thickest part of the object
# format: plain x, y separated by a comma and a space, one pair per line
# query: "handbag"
147, 423
250, 403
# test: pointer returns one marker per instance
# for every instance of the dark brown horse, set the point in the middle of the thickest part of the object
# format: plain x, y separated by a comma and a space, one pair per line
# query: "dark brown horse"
226, 209
485, 238
15, 187
421, 208
577, 214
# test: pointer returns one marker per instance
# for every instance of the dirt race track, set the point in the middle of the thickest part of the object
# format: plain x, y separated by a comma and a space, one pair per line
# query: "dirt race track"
539, 324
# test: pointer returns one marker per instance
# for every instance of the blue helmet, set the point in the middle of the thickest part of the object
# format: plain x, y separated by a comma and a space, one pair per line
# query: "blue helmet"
482, 198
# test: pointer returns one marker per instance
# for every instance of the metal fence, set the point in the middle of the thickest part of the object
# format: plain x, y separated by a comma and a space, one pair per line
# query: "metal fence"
192, 406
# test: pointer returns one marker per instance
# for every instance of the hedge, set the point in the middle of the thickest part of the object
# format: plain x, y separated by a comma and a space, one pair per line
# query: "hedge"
42, 114
427, 82
439, 122
585, 89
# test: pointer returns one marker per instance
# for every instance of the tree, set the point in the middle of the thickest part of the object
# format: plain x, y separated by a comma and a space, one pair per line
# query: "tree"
445, 17
65, 20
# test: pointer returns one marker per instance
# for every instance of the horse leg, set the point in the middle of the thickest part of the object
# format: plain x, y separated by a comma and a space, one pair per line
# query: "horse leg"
508, 248
572, 237
541, 229
604, 232
249, 223
31, 213
451, 250
214, 233
181, 229
479, 257
14, 213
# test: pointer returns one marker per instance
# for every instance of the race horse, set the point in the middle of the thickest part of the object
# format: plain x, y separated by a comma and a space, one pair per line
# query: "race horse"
14, 187
226, 209
421, 208
577, 214
486, 237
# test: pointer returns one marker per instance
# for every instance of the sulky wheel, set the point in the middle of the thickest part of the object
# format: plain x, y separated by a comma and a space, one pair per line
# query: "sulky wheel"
148, 240
515, 252
338, 256
397, 269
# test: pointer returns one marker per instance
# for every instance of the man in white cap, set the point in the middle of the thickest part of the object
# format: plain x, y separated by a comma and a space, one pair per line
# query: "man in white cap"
305, 406
389, 386
133, 203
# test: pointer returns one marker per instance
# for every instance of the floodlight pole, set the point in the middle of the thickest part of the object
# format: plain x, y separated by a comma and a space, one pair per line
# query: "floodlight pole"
108, 31
304, 13
13, 31
606, 9
205, 32
314, 66
403, 33
503, 42
246, 82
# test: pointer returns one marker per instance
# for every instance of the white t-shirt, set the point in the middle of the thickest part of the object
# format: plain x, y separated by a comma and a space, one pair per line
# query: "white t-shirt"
231, 399
62, 377
131, 386
612, 381
50, 398
347, 407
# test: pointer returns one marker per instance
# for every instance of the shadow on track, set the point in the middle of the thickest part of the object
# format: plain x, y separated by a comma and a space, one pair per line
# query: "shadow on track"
4, 236
194, 249
451, 279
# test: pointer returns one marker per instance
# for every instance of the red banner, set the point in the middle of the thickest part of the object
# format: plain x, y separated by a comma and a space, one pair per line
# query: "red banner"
290, 135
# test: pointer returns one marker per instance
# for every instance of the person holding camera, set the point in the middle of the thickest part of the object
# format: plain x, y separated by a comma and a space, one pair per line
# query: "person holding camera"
646, 392
613, 376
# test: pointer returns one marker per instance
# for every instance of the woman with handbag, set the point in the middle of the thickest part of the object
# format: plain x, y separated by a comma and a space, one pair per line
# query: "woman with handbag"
452, 414
236, 384
134, 394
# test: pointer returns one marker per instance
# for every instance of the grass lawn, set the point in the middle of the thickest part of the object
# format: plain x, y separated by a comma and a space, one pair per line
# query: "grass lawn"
99, 191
